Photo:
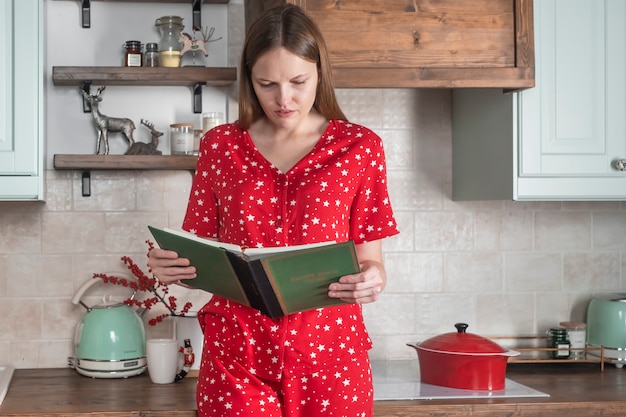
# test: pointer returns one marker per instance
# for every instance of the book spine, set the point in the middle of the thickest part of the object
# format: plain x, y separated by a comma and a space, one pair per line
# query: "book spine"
255, 284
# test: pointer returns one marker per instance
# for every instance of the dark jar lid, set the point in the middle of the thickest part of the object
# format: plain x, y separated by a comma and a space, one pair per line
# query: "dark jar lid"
133, 45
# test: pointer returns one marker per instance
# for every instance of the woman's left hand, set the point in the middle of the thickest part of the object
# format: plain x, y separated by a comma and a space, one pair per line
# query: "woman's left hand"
365, 286
361, 288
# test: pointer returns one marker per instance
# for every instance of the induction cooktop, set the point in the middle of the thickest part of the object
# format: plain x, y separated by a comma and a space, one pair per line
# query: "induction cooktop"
400, 380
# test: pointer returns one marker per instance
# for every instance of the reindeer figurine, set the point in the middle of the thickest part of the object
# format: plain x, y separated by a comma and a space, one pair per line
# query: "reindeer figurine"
141, 148
106, 124
191, 44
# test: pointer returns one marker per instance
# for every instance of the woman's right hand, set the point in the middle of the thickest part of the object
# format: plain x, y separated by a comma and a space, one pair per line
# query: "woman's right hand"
168, 267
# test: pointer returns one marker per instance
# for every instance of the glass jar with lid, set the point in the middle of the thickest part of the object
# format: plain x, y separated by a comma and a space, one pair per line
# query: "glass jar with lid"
171, 43
559, 342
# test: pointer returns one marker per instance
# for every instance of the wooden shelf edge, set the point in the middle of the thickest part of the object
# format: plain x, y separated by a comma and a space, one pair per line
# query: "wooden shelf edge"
121, 162
510, 79
146, 76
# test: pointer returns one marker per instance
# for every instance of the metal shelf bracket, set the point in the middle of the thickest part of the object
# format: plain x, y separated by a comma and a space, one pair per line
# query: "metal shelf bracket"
197, 97
85, 185
196, 6
86, 13
86, 88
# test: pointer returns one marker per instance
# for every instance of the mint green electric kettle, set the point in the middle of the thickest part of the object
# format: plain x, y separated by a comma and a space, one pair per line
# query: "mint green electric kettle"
110, 340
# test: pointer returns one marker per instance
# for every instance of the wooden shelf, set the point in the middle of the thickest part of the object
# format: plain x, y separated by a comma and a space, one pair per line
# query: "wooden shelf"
159, 76
161, 162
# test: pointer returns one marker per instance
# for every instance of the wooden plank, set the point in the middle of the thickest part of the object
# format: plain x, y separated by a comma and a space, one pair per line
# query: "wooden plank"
510, 78
158, 76
575, 391
157, 162
424, 43
477, 33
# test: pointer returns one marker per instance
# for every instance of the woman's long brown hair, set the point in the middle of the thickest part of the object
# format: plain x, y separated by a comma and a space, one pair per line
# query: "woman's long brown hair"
288, 27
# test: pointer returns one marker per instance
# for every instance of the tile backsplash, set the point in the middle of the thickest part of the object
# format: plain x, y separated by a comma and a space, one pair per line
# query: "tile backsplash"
504, 267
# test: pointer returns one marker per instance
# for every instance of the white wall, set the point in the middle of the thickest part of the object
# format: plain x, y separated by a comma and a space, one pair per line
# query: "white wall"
506, 268
69, 130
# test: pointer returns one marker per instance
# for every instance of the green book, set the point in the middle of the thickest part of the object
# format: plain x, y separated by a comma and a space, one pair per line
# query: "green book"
275, 281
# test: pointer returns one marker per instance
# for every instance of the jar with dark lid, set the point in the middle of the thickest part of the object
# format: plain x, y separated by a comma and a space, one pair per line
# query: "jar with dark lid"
560, 342
151, 57
133, 56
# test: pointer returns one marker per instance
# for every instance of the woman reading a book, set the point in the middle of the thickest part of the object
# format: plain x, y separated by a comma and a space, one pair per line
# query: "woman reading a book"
292, 170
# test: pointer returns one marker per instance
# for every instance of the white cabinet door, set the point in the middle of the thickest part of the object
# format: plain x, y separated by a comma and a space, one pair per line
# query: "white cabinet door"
572, 126
21, 100
566, 132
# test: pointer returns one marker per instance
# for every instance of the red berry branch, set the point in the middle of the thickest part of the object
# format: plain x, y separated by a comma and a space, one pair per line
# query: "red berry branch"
146, 284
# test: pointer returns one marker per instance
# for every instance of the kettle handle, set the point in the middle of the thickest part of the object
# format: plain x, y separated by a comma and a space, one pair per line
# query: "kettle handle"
88, 284
83, 288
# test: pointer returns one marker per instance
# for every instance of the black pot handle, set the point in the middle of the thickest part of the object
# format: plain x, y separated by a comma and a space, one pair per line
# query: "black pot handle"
461, 327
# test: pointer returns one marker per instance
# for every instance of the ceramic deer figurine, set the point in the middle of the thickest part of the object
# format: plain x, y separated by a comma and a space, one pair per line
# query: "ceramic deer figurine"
141, 148
106, 124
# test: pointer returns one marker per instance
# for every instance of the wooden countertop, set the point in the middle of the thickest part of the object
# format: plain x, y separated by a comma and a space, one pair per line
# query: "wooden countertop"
576, 390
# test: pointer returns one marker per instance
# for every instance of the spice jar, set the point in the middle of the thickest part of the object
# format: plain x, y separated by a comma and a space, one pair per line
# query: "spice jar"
171, 43
133, 56
559, 340
577, 335
151, 57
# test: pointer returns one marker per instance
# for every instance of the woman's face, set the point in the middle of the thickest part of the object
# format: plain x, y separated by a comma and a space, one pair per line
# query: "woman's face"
285, 85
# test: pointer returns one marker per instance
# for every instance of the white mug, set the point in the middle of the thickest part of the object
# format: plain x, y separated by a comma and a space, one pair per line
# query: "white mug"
162, 356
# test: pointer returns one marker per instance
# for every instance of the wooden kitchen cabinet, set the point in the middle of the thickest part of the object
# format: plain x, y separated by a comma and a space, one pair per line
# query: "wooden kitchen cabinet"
423, 43
562, 139
21, 100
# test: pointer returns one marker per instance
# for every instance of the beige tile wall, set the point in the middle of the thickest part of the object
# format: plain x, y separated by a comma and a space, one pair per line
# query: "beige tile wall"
504, 267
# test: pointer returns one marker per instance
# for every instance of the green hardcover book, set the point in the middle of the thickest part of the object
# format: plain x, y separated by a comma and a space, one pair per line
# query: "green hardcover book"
275, 281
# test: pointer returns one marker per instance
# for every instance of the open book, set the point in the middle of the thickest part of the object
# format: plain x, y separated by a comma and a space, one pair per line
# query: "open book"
276, 281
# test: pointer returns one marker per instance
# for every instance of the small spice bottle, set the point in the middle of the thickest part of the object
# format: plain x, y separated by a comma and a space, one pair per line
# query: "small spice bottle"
559, 340
151, 57
133, 56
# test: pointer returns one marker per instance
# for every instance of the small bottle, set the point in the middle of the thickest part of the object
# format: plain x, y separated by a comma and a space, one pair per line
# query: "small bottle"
151, 57
133, 56
559, 341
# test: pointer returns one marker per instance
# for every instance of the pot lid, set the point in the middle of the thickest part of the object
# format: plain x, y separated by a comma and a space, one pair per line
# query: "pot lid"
461, 342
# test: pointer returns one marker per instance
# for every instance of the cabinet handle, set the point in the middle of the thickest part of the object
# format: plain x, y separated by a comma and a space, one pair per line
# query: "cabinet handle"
620, 164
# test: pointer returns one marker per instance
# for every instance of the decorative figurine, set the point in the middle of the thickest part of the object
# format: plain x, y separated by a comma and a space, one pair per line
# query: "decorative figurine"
141, 148
106, 124
189, 359
193, 45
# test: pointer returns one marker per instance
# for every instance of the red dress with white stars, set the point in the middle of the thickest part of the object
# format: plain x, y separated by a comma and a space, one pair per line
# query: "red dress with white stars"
305, 364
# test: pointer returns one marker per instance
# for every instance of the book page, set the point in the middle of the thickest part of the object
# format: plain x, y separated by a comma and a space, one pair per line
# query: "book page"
228, 246
256, 252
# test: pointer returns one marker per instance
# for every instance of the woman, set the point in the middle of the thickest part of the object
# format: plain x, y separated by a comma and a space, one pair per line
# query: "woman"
290, 171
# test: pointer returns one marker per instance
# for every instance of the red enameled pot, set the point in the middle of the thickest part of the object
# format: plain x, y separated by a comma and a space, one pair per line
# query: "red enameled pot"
463, 360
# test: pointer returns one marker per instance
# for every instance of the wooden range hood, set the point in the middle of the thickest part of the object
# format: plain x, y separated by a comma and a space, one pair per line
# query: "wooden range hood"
423, 43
